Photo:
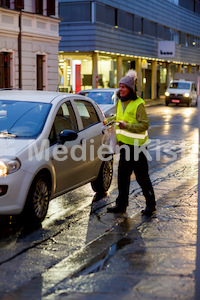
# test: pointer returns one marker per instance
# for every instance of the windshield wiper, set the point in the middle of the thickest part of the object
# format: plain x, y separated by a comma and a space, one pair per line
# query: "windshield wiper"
6, 134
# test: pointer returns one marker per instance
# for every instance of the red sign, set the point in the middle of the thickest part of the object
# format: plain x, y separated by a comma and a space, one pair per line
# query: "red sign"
78, 78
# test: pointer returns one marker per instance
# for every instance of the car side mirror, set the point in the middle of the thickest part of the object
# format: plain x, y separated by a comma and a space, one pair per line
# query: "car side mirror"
68, 135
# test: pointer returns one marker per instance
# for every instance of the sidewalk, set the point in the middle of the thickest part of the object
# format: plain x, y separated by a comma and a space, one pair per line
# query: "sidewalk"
150, 102
154, 260
140, 258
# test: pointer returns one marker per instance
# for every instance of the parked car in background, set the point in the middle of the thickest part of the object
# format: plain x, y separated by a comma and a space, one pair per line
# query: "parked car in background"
181, 92
105, 98
45, 140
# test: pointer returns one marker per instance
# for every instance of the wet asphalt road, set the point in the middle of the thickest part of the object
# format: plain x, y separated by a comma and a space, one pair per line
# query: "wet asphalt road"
78, 218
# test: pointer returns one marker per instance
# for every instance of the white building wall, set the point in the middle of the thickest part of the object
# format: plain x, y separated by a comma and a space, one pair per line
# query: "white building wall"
40, 35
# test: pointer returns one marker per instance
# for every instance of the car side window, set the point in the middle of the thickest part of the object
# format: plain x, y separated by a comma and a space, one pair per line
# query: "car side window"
87, 113
65, 119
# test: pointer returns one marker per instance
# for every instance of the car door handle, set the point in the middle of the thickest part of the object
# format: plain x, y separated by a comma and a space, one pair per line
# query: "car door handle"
81, 141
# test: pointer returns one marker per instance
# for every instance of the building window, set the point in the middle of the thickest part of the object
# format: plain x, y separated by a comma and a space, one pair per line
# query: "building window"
105, 14
125, 20
197, 7
39, 7
160, 31
167, 34
174, 1
137, 21
189, 4
19, 4
174, 36
149, 28
4, 70
41, 72
50, 7
183, 39
75, 12
5, 3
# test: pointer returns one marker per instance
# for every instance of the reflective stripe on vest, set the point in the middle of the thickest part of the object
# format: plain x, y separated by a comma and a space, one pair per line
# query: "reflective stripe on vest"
131, 134
129, 115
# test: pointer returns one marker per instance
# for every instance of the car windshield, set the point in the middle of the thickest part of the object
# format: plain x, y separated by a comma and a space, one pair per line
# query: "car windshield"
180, 85
101, 97
22, 119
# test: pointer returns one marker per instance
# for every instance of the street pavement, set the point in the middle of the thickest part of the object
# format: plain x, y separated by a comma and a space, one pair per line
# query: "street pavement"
137, 258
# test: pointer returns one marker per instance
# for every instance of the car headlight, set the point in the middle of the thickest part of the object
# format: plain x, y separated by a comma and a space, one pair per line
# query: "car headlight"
9, 166
186, 95
167, 94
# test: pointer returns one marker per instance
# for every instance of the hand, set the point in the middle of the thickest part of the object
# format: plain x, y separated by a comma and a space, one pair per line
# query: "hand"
105, 121
122, 125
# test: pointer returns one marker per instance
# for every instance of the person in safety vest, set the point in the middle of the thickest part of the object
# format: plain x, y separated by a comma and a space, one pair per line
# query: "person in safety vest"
132, 136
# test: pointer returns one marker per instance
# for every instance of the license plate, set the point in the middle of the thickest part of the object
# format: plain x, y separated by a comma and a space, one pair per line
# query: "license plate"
175, 101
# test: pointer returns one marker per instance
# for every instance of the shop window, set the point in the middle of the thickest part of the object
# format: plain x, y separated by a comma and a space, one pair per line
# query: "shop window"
39, 7
105, 14
5, 3
149, 28
75, 12
137, 24
50, 7
19, 4
4, 70
125, 20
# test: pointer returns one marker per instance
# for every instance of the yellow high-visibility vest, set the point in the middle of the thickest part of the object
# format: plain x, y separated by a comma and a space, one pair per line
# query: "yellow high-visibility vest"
129, 115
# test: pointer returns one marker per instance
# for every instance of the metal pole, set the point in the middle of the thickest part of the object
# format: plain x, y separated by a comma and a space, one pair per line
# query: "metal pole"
197, 273
20, 49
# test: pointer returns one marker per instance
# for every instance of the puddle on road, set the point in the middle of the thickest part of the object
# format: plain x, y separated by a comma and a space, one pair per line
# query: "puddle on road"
101, 261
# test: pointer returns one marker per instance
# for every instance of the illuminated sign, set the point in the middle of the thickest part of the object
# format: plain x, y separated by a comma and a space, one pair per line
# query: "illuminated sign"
166, 49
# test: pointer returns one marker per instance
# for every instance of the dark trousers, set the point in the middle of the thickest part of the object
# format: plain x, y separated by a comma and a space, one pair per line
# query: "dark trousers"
141, 170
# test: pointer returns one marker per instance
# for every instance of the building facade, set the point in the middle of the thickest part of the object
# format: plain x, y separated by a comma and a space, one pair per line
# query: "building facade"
29, 40
102, 39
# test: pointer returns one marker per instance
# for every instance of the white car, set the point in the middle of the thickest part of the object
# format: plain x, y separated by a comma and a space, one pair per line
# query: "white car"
105, 98
181, 92
50, 143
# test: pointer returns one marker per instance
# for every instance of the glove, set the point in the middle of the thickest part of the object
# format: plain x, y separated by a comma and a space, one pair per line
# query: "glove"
105, 121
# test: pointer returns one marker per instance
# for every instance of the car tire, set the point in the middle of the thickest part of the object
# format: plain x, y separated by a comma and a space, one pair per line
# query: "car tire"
104, 179
37, 201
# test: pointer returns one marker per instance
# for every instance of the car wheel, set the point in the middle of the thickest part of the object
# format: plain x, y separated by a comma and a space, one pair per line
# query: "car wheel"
104, 179
37, 201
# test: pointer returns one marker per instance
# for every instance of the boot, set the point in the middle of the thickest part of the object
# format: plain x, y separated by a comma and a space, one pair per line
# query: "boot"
148, 211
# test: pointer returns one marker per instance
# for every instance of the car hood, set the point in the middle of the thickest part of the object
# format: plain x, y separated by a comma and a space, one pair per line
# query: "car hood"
12, 146
178, 91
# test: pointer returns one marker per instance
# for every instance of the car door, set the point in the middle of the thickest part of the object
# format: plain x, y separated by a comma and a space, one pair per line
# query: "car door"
91, 136
66, 168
